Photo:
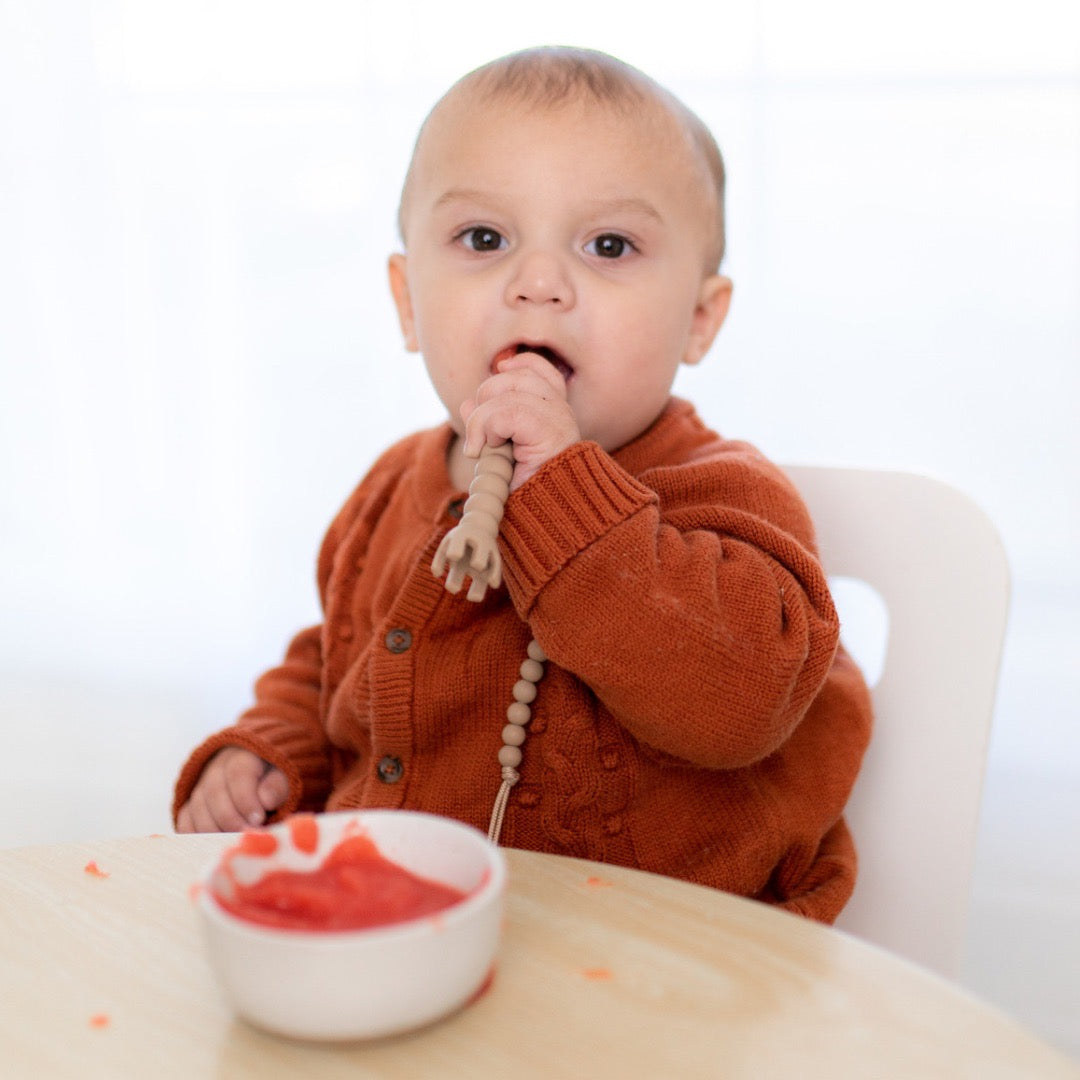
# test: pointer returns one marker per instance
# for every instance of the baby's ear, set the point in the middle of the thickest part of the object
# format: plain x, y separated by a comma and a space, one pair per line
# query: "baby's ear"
711, 310
398, 269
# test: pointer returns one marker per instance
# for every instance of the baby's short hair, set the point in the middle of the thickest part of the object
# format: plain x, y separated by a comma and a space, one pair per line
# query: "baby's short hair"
550, 76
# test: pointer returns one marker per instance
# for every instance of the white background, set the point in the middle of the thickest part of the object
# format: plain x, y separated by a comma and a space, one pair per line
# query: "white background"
198, 354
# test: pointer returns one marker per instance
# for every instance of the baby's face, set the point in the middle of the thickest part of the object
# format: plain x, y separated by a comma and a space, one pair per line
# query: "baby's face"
579, 233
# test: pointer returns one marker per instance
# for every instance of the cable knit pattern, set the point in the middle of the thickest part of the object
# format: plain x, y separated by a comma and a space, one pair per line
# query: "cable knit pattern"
696, 717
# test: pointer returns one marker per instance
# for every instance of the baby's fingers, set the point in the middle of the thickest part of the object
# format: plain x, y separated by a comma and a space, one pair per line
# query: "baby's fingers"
538, 366
239, 805
184, 823
225, 798
197, 815
273, 789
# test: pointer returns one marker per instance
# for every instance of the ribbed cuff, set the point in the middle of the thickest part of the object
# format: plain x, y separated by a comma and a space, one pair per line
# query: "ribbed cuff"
575, 499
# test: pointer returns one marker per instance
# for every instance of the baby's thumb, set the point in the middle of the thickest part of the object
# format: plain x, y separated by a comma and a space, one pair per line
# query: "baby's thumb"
273, 789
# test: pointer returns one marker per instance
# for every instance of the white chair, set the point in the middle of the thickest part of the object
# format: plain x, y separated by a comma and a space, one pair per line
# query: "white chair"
938, 564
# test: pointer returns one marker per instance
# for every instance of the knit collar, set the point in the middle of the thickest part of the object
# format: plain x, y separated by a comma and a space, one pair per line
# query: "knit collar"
670, 437
429, 481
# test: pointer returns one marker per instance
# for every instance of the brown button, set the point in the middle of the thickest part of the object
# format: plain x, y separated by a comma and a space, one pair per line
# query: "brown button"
456, 509
613, 825
398, 640
344, 630
390, 769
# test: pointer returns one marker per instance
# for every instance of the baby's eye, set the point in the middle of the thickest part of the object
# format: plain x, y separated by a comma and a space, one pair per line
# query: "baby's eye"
481, 238
609, 246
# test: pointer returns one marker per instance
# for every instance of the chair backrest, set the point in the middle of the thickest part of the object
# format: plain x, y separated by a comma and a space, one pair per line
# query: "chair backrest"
938, 563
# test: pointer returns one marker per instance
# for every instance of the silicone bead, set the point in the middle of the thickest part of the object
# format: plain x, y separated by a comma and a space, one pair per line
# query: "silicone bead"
532, 670
500, 462
513, 735
524, 691
486, 483
510, 756
519, 713
484, 502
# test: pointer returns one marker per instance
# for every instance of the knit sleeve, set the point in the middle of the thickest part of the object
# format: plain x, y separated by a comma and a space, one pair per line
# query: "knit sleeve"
689, 599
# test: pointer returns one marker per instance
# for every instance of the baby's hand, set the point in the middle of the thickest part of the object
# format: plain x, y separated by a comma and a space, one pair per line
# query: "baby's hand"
524, 402
236, 790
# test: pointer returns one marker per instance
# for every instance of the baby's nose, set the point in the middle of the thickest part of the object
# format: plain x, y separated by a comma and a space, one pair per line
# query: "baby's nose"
540, 277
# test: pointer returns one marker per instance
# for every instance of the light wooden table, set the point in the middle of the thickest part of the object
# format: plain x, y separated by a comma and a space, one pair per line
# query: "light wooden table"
602, 972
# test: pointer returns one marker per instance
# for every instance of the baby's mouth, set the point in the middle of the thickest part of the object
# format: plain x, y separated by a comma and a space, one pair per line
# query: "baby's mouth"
554, 358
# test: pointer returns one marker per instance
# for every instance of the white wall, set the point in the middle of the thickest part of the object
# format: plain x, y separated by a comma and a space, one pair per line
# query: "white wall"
199, 357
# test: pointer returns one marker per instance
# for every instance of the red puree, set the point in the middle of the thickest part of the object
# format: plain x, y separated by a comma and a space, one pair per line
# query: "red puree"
354, 888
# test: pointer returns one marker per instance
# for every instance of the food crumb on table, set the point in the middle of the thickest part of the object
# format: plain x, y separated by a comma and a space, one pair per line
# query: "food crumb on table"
100, 1020
598, 883
94, 870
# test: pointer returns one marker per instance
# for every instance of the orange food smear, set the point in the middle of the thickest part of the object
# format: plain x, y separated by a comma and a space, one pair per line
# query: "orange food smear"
598, 883
254, 843
257, 842
597, 974
354, 888
94, 870
304, 830
100, 1020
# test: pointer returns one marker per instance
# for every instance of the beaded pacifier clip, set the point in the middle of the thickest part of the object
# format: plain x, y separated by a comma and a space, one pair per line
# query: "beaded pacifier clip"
471, 549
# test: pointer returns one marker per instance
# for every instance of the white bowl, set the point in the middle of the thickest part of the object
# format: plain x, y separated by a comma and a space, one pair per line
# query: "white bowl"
357, 984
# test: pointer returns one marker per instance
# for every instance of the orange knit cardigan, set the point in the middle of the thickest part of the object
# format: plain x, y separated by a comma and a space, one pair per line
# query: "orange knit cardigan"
697, 717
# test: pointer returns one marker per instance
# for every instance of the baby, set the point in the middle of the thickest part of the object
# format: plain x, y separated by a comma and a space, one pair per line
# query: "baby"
563, 227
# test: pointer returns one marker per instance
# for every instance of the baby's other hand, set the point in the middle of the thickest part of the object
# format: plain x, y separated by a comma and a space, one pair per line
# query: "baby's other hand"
525, 402
236, 791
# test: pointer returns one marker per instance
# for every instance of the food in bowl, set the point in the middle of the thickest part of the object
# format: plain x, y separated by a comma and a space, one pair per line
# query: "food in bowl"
354, 887
353, 925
